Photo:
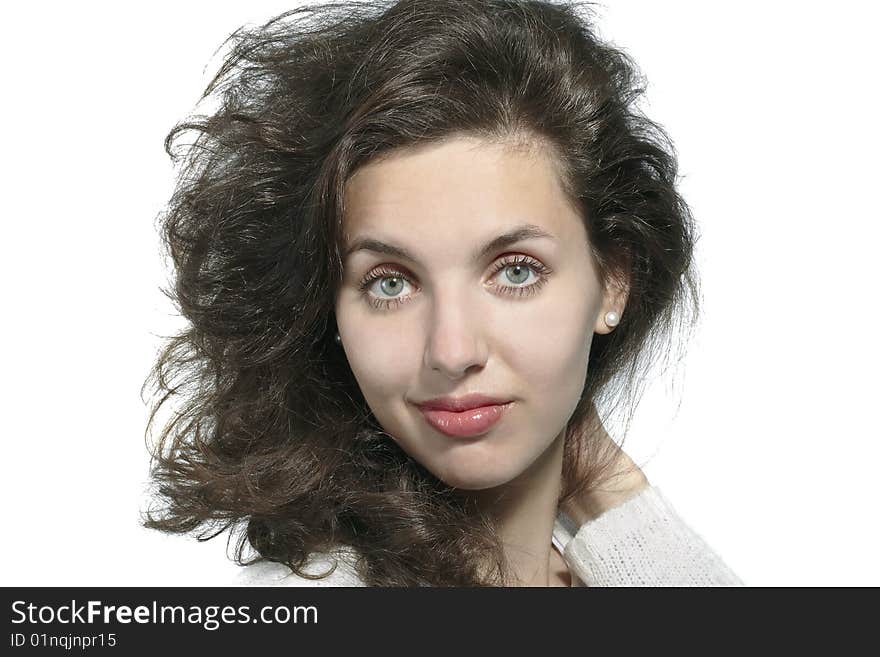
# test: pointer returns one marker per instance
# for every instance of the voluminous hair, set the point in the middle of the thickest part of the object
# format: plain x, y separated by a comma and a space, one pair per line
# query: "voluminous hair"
271, 434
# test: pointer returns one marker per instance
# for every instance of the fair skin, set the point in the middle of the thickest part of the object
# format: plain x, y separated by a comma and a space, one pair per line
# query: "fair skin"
516, 321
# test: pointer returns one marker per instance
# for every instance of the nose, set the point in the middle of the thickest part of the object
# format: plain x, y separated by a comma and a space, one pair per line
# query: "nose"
455, 339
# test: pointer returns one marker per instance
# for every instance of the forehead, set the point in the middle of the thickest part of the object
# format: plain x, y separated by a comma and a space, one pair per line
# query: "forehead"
462, 185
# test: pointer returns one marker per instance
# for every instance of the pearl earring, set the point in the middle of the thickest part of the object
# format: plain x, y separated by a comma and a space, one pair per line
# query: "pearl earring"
612, 319
338, 339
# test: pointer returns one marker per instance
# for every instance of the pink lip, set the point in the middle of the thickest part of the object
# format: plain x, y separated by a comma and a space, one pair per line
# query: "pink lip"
467, 423
463, 403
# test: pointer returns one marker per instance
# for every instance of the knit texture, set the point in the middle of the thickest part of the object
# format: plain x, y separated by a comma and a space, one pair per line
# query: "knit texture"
642, 542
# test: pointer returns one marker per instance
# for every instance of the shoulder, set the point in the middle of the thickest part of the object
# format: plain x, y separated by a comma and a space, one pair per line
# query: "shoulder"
270, 573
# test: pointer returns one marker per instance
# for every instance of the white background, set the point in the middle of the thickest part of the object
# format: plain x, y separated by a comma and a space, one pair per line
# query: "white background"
773, 452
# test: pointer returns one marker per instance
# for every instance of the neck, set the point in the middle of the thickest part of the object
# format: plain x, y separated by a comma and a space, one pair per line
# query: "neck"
525, 510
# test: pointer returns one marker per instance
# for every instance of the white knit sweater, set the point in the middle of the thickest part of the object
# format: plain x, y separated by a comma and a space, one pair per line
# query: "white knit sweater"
642, 542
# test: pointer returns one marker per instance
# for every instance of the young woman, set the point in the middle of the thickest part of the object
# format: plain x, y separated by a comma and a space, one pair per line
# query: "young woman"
419, 245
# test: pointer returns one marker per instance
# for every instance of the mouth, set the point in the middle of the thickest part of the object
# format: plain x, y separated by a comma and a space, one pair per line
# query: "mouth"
466, 423
463, 403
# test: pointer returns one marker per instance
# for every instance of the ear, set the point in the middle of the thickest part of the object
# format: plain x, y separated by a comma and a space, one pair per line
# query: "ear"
614, 299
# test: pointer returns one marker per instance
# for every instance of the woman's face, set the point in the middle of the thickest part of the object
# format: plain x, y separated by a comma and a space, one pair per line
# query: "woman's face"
442, 316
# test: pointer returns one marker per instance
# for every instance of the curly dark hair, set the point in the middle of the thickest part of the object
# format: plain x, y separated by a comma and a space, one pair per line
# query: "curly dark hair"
271, 436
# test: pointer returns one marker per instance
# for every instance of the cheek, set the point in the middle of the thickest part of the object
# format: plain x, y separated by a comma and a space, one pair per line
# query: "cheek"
551, 346
381, 358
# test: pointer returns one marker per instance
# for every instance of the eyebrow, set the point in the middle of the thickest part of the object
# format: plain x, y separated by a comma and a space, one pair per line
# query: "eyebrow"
517, 234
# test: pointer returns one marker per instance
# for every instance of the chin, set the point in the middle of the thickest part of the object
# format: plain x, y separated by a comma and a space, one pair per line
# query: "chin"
475, 478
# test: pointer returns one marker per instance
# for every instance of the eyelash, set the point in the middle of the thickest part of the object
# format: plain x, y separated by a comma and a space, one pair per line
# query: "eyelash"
542, 271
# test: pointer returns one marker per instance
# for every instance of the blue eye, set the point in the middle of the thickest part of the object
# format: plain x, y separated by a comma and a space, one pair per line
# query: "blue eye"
391, 285
517, 270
